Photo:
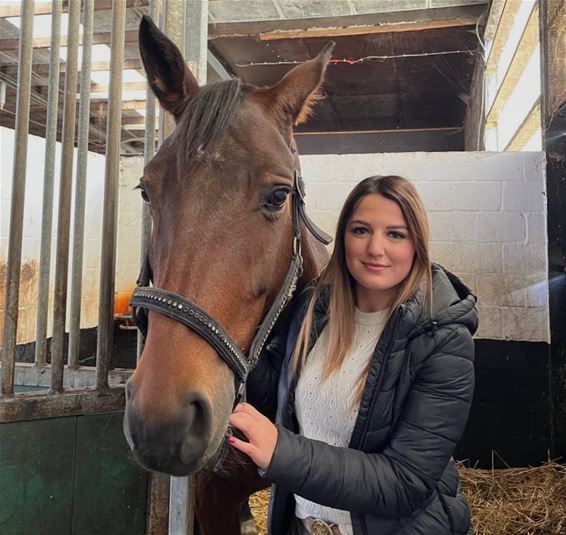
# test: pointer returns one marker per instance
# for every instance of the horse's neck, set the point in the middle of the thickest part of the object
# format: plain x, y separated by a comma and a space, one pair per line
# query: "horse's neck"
315, 257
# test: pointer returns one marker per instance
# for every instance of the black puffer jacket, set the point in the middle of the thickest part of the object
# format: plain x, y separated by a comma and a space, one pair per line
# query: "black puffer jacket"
397, 477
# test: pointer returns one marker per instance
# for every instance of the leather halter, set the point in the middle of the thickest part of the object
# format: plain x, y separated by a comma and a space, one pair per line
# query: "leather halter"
183, 310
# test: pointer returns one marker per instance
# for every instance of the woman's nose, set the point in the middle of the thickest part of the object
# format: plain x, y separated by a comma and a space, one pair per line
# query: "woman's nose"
376, 245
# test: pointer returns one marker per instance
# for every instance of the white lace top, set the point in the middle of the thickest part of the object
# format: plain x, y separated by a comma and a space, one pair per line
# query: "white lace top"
325, 410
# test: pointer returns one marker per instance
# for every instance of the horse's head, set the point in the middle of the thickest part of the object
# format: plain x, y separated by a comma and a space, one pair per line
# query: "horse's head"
219, 190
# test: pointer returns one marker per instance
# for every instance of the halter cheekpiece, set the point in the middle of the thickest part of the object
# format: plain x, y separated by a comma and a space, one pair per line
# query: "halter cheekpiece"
183, 310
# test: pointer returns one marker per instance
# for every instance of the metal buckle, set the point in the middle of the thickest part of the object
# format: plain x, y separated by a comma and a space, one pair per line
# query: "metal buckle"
300, 186
296, 245
320, 527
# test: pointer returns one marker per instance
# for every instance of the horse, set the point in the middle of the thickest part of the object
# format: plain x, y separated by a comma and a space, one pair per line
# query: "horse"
230, 242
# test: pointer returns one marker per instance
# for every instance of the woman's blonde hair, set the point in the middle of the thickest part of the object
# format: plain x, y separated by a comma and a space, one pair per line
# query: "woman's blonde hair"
342, 285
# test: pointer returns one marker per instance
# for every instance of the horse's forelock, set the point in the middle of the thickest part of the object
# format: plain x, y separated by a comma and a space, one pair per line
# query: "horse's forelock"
206, 117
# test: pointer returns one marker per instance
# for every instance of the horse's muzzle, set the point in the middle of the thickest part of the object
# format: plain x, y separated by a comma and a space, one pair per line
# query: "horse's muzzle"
176, 445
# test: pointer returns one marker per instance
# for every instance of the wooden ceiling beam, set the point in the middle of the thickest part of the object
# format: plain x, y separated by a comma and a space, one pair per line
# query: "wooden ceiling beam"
416, 20
366, 30
399, 21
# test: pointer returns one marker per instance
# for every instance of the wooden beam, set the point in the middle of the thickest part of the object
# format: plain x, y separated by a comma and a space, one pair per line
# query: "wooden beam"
501, 22
133, 121
102, 106
12, 9
45, 42
526, 131
366, 30
373, 23
398, 140
525, 48
442, 129
126, 86
42, 69
36, 405
74, 378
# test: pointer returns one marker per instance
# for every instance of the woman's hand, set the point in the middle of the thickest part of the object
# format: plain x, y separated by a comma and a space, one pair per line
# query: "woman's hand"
260, 432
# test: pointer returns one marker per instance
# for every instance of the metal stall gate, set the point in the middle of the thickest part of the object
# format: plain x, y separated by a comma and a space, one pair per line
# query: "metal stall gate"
65, 466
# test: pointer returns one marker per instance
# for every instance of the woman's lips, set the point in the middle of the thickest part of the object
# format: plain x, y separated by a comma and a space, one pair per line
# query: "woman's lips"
374, 267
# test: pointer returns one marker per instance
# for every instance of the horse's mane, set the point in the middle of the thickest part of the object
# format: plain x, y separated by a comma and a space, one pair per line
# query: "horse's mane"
205, 118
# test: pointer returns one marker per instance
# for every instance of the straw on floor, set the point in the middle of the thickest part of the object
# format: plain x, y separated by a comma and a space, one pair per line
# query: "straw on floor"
511, 501
517, 501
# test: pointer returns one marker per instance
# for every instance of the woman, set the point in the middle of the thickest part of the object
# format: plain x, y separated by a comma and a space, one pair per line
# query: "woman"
375, 383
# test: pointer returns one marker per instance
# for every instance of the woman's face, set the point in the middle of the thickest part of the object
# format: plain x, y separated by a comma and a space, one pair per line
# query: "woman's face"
379, 251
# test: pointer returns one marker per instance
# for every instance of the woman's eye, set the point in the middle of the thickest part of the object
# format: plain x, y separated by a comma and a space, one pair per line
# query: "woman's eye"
277, 198
359, 230
396, 235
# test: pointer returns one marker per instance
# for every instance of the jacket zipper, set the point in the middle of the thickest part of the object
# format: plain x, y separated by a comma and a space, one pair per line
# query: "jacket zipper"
381, 373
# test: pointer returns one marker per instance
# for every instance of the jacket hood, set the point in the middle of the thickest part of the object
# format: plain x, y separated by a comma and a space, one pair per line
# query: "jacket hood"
452, 303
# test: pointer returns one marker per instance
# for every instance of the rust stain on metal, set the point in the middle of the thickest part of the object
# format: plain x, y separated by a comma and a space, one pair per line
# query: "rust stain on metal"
158, 504
3, 273
27, 299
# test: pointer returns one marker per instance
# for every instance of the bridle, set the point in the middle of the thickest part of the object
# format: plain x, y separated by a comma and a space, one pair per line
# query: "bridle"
185, 311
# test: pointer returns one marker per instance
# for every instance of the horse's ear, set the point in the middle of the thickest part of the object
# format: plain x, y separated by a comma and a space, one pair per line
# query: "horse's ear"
167, 73
298, 90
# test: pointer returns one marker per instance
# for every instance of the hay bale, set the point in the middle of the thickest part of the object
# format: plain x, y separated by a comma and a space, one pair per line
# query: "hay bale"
512, 501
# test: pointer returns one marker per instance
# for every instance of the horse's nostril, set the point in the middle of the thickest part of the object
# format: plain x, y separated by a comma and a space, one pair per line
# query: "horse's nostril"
197, 414
198, 419
129, 391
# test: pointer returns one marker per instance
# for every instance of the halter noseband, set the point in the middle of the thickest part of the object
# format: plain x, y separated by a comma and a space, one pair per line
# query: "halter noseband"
183, 310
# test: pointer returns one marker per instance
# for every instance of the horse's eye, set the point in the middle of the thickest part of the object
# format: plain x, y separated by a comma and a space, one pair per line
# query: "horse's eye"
276, 199
143, 193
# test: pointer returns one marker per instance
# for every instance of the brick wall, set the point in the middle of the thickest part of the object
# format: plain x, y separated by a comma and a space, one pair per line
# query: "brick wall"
487, 213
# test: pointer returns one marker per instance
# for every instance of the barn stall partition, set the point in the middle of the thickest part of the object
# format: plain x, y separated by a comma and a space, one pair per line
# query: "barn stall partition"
63, 456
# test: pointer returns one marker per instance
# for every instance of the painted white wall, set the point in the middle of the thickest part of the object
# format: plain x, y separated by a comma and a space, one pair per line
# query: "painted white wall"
487, 213
32, 231
129, 230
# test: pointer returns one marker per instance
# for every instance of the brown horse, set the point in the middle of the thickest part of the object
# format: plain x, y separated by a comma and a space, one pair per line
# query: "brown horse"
220, 190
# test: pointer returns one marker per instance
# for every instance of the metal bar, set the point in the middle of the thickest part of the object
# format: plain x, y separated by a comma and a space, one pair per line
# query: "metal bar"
149, 151
65, 191
110, 215
196, 31
181, 505
48, 179
17, 203
80, 188
217, 67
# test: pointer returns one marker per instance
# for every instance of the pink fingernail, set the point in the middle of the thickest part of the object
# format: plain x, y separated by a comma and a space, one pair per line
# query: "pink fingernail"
231, 440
